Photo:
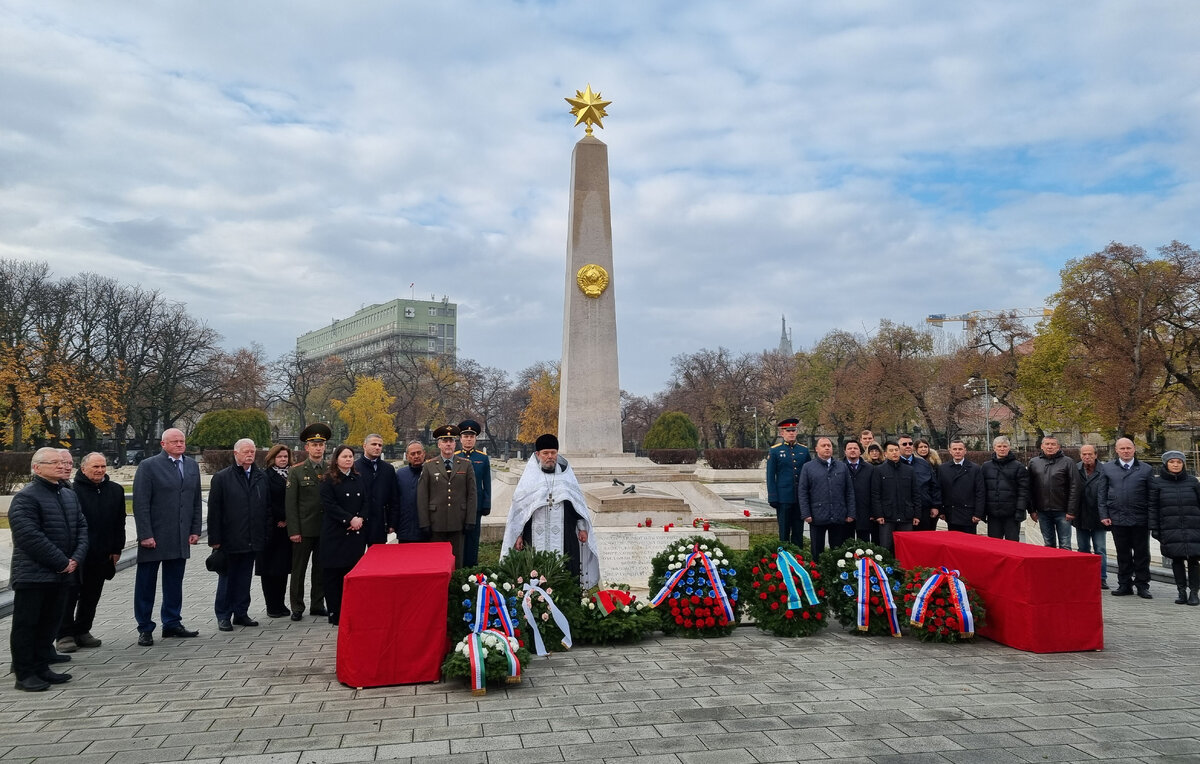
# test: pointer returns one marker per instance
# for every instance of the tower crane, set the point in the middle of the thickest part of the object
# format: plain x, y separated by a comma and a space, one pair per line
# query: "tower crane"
972, 319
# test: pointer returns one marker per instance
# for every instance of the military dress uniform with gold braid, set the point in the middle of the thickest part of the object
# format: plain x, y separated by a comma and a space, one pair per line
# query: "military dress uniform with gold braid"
446, 503
784, 462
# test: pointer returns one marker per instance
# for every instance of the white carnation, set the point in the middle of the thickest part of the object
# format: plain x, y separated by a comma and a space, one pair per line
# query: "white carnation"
859, 552
704, 547
466, 587
625, 609
473, 579
841, 563
869, 552
507, 586
849, 555
879, 557
591, 606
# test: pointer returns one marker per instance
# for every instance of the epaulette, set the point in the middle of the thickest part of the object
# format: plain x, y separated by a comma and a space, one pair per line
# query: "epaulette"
778, 445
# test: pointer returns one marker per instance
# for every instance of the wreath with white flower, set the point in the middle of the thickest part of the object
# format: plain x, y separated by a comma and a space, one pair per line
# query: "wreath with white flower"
495, 658
464, 592
695, 606
611, 613
762, 578
542, 580
839, 571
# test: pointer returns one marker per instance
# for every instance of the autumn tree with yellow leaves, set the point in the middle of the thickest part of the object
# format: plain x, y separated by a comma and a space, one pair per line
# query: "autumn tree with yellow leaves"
367, 411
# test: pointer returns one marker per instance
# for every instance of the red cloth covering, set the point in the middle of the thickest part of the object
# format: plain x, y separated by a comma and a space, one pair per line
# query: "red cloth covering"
1038, 599
392, 628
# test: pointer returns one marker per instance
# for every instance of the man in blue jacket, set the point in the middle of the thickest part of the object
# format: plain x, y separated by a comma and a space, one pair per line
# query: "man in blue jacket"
404, 521
826, 494
1124, 510
784, 462
468, 432
50, 542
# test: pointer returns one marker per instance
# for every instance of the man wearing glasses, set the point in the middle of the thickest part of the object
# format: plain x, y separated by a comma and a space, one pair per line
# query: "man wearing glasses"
929, 493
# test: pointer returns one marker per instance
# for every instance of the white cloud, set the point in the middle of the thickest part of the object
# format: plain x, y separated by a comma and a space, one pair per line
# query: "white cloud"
279, 164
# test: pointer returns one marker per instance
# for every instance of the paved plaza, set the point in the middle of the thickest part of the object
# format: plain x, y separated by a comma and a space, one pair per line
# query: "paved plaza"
270, 694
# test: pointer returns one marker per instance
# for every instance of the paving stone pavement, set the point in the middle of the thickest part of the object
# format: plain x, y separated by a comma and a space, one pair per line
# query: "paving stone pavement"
269, 695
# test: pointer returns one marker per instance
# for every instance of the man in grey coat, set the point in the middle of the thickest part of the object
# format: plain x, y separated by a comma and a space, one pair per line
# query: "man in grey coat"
1124, 510
826, 497
166, 511
49, 544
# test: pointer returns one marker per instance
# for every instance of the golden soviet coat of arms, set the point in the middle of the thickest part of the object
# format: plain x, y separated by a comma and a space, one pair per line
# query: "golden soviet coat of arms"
592, 280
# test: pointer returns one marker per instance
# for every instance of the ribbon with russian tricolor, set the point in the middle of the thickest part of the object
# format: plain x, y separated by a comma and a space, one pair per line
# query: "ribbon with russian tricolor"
560, 620
793, 570
958, 599
487, 599
611, 599
867, 567
700, 559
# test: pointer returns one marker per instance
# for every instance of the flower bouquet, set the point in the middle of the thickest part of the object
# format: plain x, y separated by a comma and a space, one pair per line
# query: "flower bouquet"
863, 583
463, 610
784, 590
940, 606
546, 596
610, 613
489, 656
696, 588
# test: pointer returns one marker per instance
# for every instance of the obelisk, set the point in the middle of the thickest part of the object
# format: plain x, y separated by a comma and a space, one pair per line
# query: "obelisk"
589, 404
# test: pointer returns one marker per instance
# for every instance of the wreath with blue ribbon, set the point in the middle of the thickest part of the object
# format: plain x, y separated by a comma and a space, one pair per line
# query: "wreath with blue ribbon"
694, 586
783, 590
864, 585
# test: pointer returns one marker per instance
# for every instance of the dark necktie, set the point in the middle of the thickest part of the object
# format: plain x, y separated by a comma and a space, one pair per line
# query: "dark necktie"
447, 465
1125, 467
179, 466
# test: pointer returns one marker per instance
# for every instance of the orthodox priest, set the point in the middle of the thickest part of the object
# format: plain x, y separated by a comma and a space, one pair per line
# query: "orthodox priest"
549, 513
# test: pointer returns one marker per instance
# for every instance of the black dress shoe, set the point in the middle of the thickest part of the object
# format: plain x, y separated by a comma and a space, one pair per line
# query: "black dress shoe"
1103, 584
278, 613
145, 638
244, 620
297, 615
223, 624
1121, 591
53, 677
179, 631
318, 611
60, 658
1145, 594
32, 684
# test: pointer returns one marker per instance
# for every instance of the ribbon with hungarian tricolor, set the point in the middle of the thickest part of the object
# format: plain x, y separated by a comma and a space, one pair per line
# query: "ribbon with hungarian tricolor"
958, 599
793, 570
476, 645
560, 620
488, 600
699, 558
868, 568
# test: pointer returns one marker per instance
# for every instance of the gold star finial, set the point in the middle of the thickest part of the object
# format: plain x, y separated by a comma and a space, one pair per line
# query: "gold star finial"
588, 108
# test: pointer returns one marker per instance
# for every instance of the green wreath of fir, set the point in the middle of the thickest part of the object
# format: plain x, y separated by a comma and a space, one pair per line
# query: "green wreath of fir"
547, 570
941, 624
840, 575
495, 663
766, 596
695, 613
627, 623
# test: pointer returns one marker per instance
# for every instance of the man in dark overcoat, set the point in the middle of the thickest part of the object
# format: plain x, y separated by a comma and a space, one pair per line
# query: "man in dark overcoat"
239, 521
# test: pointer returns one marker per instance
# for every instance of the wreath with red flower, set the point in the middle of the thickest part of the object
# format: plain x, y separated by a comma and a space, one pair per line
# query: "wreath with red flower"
942, 622
694, 607
839, 574
611, 613
762, 579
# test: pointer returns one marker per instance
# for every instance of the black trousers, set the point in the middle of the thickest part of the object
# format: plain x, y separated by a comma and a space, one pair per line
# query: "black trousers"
82, 598
37, 611
1004, 528
274, 588
1133, 554
968, 528
334, 580
837, 533
869, 532
1187, 572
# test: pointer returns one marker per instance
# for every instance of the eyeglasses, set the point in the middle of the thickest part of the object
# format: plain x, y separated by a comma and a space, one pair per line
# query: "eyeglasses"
906, 443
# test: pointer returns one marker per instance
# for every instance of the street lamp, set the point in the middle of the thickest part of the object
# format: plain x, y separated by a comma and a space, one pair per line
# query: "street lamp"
753, 409
972, 385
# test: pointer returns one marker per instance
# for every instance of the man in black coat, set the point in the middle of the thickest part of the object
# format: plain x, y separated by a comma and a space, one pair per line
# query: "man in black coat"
1089, 531
894, 496
103, 504
1054, 497
963, 495
929, 492
379, 488
860, 475
239, 519
1124, 510
49, 544
1006, 491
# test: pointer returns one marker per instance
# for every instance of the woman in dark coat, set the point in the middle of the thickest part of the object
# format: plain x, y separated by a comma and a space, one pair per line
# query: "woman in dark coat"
342, 539
274, 563
1175, 521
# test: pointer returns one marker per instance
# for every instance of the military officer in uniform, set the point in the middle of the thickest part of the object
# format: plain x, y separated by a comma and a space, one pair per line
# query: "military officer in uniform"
446, 503
784, 461
468, 431
302, 505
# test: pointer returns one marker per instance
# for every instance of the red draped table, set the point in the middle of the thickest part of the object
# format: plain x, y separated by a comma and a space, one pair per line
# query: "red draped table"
392, 628
1038, 599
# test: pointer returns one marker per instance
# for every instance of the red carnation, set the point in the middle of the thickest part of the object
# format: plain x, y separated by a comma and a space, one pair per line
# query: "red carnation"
754, 570
699, 623
909, 597
710, 622
774, 605
879, 610
779, 574
804, 614
931, 627
764, 560
940, 612
819, 616
816, 574
783, 598
755, 584
762, 595
771, 588
687, 623
678, 620
788, 614
771, 565
952, 622
695, 600
723, 621
820, 592
939, 601
938, 621
708, 601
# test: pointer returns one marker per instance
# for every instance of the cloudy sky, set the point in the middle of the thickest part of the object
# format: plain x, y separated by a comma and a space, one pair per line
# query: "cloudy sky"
278, 164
